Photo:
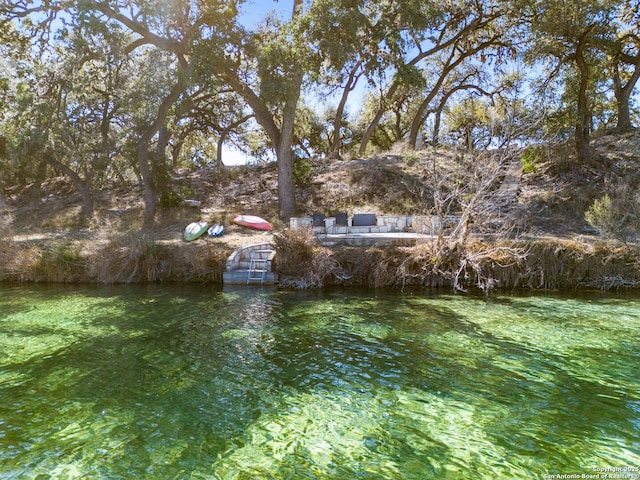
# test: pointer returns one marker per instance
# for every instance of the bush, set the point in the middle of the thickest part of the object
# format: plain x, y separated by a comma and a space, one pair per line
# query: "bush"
302, 170
302, 263
615, 217
61, 262
531, 157
170, 198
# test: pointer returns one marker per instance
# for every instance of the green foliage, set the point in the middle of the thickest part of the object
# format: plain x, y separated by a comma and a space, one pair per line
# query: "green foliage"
531, 157
98, 82
615, 217
171, 198
469, 122
302, 170
411, 158
61, 262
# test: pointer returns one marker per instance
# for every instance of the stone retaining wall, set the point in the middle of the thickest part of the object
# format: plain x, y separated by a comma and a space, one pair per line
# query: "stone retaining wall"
425, 224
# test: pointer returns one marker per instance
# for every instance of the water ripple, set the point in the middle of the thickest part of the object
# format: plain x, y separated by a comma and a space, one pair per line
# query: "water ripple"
178, 383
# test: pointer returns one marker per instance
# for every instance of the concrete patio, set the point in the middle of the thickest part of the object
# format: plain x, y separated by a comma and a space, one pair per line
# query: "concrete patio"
365, 229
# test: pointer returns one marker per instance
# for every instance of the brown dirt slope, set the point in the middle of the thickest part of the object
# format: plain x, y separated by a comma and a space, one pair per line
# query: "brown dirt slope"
552, 197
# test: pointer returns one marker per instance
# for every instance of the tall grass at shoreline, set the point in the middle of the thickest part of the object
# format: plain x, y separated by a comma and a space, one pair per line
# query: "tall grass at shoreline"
129, 257
134, 257
506, 264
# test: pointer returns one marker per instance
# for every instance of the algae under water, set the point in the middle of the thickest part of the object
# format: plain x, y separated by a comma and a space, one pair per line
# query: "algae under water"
187, 382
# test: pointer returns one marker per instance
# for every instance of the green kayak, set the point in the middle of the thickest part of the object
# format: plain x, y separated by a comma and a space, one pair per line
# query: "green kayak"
194, 230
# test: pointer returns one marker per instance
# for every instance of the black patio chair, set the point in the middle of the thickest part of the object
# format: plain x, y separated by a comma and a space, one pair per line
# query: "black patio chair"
342, 220
318, 220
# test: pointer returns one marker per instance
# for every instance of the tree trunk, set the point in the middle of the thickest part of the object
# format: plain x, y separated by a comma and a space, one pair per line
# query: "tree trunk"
475, 24
337, 121
281, 137
435, 137
3, 202
150, 200
286, 186
164, 135
583, 121
418, 119
624, 114
83, 186
366, 138
284, 152
223, 137
623, 97
283, 147
175, 152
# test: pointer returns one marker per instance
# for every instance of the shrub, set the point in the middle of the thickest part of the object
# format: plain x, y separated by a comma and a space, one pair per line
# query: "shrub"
295, 249
531, 157
170, 198
302, 170
61, 262
303, 264
615, 217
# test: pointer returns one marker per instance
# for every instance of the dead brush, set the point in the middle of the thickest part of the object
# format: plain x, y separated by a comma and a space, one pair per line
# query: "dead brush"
473, 265
548, 264
127, 258
376, 267
488, 266
425, 264
372, 267
18, 259
202, 262
302, 263
542, 265
294, 249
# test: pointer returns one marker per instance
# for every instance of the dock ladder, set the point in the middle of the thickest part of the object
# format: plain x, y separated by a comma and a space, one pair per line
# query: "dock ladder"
258, 266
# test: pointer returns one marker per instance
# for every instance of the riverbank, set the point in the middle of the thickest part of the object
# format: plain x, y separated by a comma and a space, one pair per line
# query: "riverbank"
302, 262
523, 223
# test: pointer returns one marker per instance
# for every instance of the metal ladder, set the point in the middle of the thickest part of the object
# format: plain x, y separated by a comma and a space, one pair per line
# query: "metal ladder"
258, 263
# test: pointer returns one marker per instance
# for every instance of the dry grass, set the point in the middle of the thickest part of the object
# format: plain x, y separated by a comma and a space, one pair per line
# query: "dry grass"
203, 262
302, 263
130, 257
135, 258
60, 262
18, 260
127, 258
566, 264
507, 265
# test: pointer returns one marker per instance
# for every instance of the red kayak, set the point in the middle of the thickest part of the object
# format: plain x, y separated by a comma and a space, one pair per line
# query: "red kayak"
252, 221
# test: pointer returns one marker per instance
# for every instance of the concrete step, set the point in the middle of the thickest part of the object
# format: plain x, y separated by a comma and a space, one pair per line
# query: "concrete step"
239, 277
241, 257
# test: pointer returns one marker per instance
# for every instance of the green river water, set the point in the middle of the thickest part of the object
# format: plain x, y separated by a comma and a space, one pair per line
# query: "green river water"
173, 382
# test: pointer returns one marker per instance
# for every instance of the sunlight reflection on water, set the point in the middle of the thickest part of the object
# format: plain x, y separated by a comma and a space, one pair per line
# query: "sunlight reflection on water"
175, 382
